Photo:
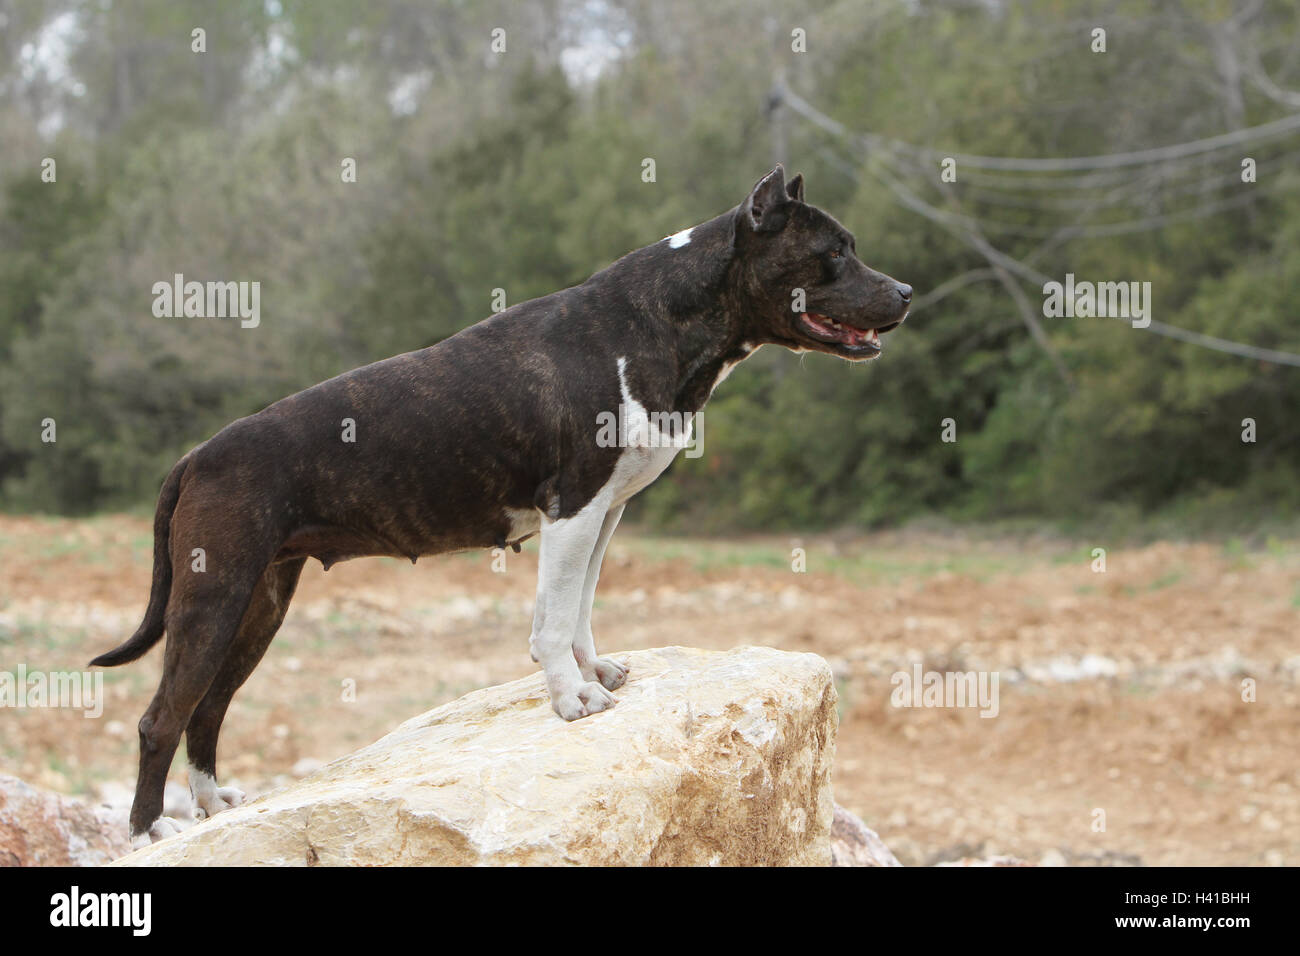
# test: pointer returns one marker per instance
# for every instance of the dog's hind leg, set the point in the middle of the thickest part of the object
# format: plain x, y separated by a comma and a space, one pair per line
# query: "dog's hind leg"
261, 621
216, 565
610, 673
198, 636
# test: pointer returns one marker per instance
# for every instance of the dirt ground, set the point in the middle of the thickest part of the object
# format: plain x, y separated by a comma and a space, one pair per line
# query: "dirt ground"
1121, 737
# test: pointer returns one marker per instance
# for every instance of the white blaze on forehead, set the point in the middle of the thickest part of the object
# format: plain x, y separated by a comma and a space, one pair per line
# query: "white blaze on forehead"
679, 239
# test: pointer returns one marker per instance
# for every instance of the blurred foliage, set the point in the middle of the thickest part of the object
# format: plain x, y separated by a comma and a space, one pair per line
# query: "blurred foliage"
522, 171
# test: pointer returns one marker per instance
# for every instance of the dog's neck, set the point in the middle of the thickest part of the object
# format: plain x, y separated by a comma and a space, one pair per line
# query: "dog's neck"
706, 350
694, 309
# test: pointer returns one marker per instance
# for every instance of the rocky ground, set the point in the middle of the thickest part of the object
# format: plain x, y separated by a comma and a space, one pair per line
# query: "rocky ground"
1120, 693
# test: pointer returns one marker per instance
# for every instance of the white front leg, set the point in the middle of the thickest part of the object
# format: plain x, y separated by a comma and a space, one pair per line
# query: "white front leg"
567, 548
611, 674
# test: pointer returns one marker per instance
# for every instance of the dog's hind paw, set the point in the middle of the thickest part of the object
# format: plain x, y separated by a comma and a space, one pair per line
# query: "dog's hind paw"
223, 798
611, 674
160, 829
209, 799
590, 698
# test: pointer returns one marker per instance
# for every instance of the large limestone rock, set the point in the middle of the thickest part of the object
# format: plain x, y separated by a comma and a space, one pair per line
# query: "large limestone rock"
709, 758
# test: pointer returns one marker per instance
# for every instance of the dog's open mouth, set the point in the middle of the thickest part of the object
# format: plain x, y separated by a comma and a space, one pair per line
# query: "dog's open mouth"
825, 329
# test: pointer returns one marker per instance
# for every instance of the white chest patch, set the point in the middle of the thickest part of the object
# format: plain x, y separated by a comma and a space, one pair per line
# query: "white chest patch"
650, 442
679, 239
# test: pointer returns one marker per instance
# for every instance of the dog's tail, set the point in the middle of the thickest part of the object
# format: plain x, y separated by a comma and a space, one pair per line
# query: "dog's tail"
150, 631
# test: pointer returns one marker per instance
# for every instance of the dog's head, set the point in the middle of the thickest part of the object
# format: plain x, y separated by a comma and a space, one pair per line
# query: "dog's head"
800, 275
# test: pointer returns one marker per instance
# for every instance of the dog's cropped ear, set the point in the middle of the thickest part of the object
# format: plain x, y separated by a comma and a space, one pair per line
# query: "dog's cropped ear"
766, 209
794, 188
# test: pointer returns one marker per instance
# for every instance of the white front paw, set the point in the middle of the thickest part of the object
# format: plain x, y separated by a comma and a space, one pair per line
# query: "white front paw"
611, 674
590, 698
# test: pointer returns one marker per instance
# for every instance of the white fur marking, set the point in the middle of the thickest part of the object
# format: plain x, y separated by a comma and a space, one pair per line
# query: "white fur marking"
570, 557
723, 373
679, 239
566, 551
523, 521
726, 369
649, 452
160, 829
209, 799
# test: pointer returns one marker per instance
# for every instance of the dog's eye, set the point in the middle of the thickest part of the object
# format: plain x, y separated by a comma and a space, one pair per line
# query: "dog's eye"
836, 254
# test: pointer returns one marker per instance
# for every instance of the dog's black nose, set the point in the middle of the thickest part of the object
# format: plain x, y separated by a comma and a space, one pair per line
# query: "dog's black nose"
904, 292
